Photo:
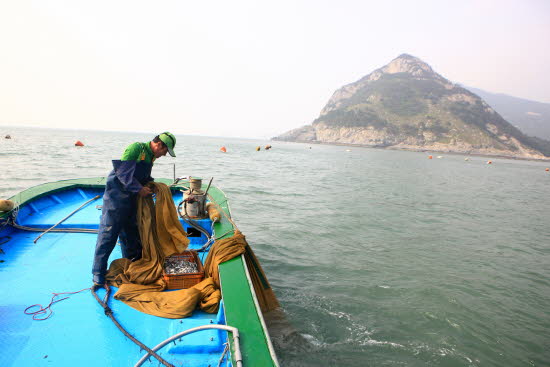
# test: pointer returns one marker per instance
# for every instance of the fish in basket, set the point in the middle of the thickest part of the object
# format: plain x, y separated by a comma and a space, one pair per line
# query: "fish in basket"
183, 270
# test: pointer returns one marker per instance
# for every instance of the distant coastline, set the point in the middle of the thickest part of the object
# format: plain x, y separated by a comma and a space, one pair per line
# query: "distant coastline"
420, 150
406, 105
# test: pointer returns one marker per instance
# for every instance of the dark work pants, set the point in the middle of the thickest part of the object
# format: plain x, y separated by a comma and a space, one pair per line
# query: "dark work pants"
118, 216
116, 223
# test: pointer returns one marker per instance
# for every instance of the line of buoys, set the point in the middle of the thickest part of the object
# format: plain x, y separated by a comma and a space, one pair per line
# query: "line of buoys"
222, 149
267, 147
467, 159
78, 143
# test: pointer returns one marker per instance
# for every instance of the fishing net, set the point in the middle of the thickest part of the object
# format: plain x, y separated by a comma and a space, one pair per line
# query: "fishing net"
141, 284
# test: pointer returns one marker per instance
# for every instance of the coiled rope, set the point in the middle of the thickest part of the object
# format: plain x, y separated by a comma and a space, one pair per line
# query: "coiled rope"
109, 313
48, 309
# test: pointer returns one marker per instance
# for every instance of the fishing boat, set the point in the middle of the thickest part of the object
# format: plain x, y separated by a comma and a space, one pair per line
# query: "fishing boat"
49, 317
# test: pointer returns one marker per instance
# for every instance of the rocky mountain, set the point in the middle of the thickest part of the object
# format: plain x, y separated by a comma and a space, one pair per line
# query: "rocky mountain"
531, 117
406, 105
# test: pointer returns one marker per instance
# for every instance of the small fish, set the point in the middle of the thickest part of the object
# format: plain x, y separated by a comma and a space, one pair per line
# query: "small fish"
175, 265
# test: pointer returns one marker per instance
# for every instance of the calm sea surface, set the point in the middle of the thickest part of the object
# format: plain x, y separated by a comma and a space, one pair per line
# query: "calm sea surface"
378, 257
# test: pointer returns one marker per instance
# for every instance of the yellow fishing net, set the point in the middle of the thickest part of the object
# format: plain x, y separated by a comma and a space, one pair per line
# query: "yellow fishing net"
141, 284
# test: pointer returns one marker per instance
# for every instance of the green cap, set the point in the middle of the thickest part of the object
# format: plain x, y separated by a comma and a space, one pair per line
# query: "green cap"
170, 141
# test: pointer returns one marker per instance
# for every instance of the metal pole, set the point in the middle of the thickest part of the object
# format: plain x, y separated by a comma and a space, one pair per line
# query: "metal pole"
67, 217
238, 356
208, 188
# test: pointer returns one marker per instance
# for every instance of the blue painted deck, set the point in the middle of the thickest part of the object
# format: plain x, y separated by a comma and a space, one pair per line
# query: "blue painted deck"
78, 332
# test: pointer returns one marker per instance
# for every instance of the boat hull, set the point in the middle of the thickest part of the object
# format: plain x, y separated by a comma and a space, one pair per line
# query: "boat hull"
78, 331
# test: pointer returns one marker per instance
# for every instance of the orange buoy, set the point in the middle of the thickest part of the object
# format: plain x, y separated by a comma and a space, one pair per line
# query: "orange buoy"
213, 213
548, 169
258, 149
489, 162
6, 205
430, 157
223, 149
267, 147
78, 144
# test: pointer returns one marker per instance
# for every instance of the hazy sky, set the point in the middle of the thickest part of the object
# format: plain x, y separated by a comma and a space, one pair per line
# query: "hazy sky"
247, 68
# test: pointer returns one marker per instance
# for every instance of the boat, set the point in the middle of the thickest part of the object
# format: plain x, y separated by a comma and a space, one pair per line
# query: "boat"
50, 318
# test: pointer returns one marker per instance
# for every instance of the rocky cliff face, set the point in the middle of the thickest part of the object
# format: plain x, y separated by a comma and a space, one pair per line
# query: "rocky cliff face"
406, 105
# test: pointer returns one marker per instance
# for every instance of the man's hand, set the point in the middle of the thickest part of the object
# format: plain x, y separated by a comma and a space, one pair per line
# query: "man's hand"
152, 186
145, 191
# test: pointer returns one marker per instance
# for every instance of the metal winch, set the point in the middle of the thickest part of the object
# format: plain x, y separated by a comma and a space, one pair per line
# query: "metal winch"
194, 200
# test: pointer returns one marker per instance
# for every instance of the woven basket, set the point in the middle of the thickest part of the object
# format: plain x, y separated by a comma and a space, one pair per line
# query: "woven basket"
180, 281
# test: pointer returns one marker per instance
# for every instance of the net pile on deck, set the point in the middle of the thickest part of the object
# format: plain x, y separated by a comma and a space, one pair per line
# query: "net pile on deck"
141, 284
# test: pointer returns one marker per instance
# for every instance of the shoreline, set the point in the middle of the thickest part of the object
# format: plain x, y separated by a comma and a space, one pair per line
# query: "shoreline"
415, 150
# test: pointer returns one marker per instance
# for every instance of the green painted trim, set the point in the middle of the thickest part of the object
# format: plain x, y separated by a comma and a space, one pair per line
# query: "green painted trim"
38, 191
241, 312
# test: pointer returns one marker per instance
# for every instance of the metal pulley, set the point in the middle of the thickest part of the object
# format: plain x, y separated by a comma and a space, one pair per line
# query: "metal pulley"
194, 200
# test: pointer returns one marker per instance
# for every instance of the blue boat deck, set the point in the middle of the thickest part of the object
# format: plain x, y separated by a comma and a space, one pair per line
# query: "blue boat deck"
78, 331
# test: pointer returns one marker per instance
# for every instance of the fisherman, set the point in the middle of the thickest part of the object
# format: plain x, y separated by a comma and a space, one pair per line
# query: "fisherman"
125, 182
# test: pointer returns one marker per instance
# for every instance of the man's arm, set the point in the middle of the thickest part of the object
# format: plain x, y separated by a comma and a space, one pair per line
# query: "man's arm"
126, 168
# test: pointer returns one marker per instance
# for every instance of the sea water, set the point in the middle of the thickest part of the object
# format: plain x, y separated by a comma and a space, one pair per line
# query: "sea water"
378, 257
